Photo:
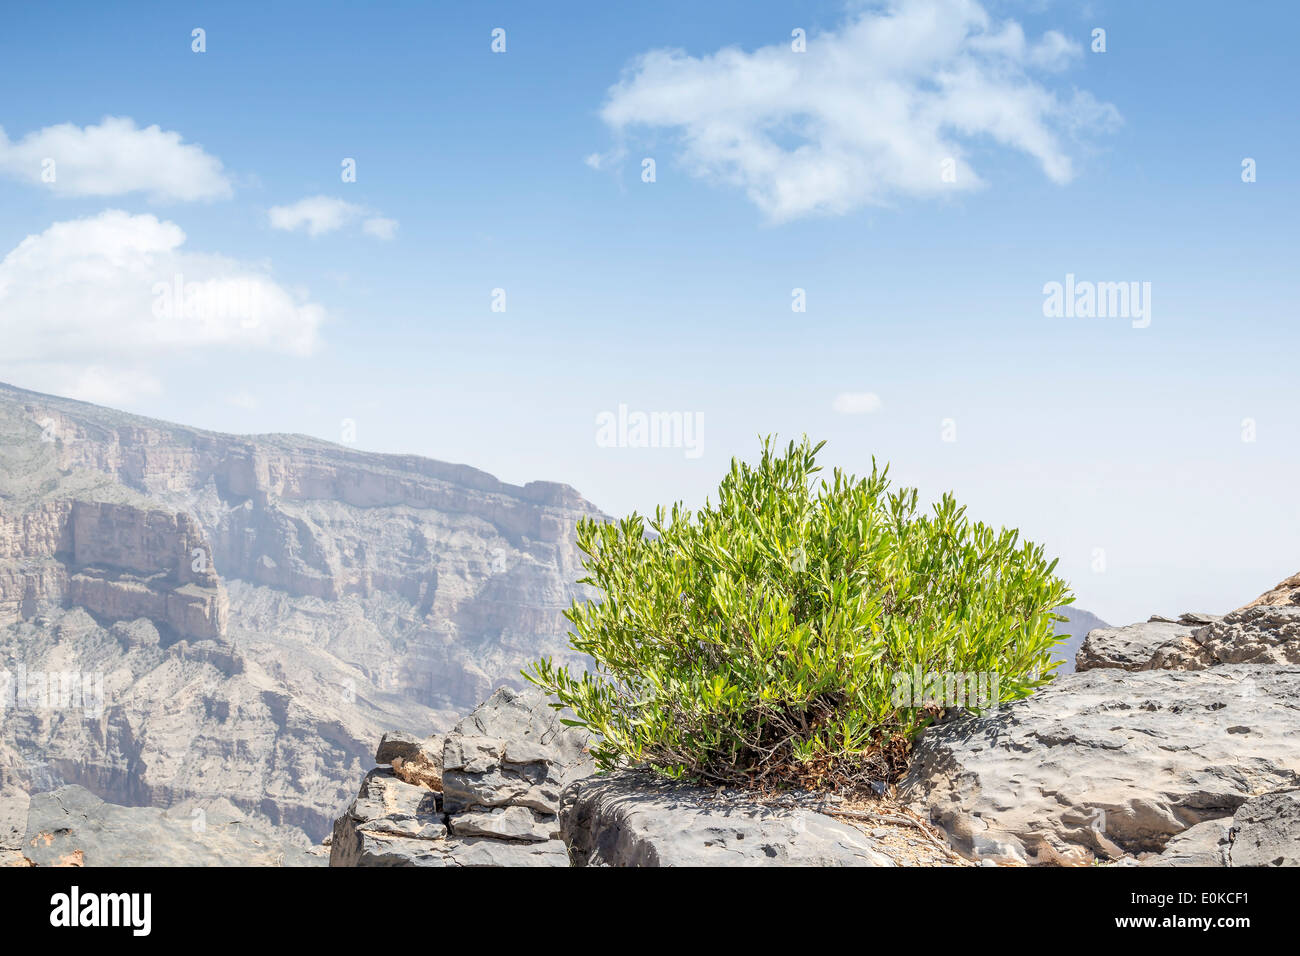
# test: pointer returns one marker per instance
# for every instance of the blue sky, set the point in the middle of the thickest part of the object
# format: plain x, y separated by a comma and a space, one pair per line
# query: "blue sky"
1118, 447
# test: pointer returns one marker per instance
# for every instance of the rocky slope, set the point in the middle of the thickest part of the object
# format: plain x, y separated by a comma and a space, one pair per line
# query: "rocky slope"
512, 786
1173, 743
256, 610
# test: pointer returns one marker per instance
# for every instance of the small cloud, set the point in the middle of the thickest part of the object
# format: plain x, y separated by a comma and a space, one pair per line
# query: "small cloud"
857, 403
380, 228
599, 161
318, 215
315, 214
242, 399
113, 159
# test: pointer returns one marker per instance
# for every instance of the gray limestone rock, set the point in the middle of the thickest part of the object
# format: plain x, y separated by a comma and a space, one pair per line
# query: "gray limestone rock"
630, 819
512, 750
502, 768
507, 823
1260, 634
397, 744
1108, 762
1268, 830
1206, 844
1130, 647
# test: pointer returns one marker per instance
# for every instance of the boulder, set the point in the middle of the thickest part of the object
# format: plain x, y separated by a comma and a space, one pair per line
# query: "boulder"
1206, 844
1259, 633
513, 750
389, 819
1129, 648
397, 744
1108, 761
631, 819
1268, 830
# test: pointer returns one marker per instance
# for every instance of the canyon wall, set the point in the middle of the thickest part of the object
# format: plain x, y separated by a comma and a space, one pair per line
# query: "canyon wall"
260, 608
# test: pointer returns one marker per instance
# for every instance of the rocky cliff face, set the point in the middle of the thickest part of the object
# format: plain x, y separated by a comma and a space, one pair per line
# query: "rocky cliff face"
118, 561
257, 609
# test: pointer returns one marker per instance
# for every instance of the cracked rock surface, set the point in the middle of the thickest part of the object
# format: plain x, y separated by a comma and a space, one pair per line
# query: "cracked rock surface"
630, 819
1109, 763
1173, 744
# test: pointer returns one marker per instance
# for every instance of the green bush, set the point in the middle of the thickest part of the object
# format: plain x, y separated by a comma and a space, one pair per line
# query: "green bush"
765, 640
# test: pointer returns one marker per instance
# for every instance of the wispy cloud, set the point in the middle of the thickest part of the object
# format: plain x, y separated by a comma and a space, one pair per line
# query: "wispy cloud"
113, 159
882, 107
380, 228
857, 403
318, 215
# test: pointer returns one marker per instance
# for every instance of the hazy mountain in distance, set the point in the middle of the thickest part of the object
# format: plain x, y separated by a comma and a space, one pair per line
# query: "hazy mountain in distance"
1079, 624
258, 610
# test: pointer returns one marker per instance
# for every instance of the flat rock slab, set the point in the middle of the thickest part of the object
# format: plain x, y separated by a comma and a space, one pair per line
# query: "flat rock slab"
1109, 762
359, 845
630, 819
71, 826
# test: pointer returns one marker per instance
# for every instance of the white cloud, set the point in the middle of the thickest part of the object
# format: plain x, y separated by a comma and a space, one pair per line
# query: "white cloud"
242, 399
85, 305
113, 159
380, 228
318, 215
869, 112
857, 403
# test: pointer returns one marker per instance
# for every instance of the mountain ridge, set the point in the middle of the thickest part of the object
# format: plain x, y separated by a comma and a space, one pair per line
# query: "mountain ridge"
260, 607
